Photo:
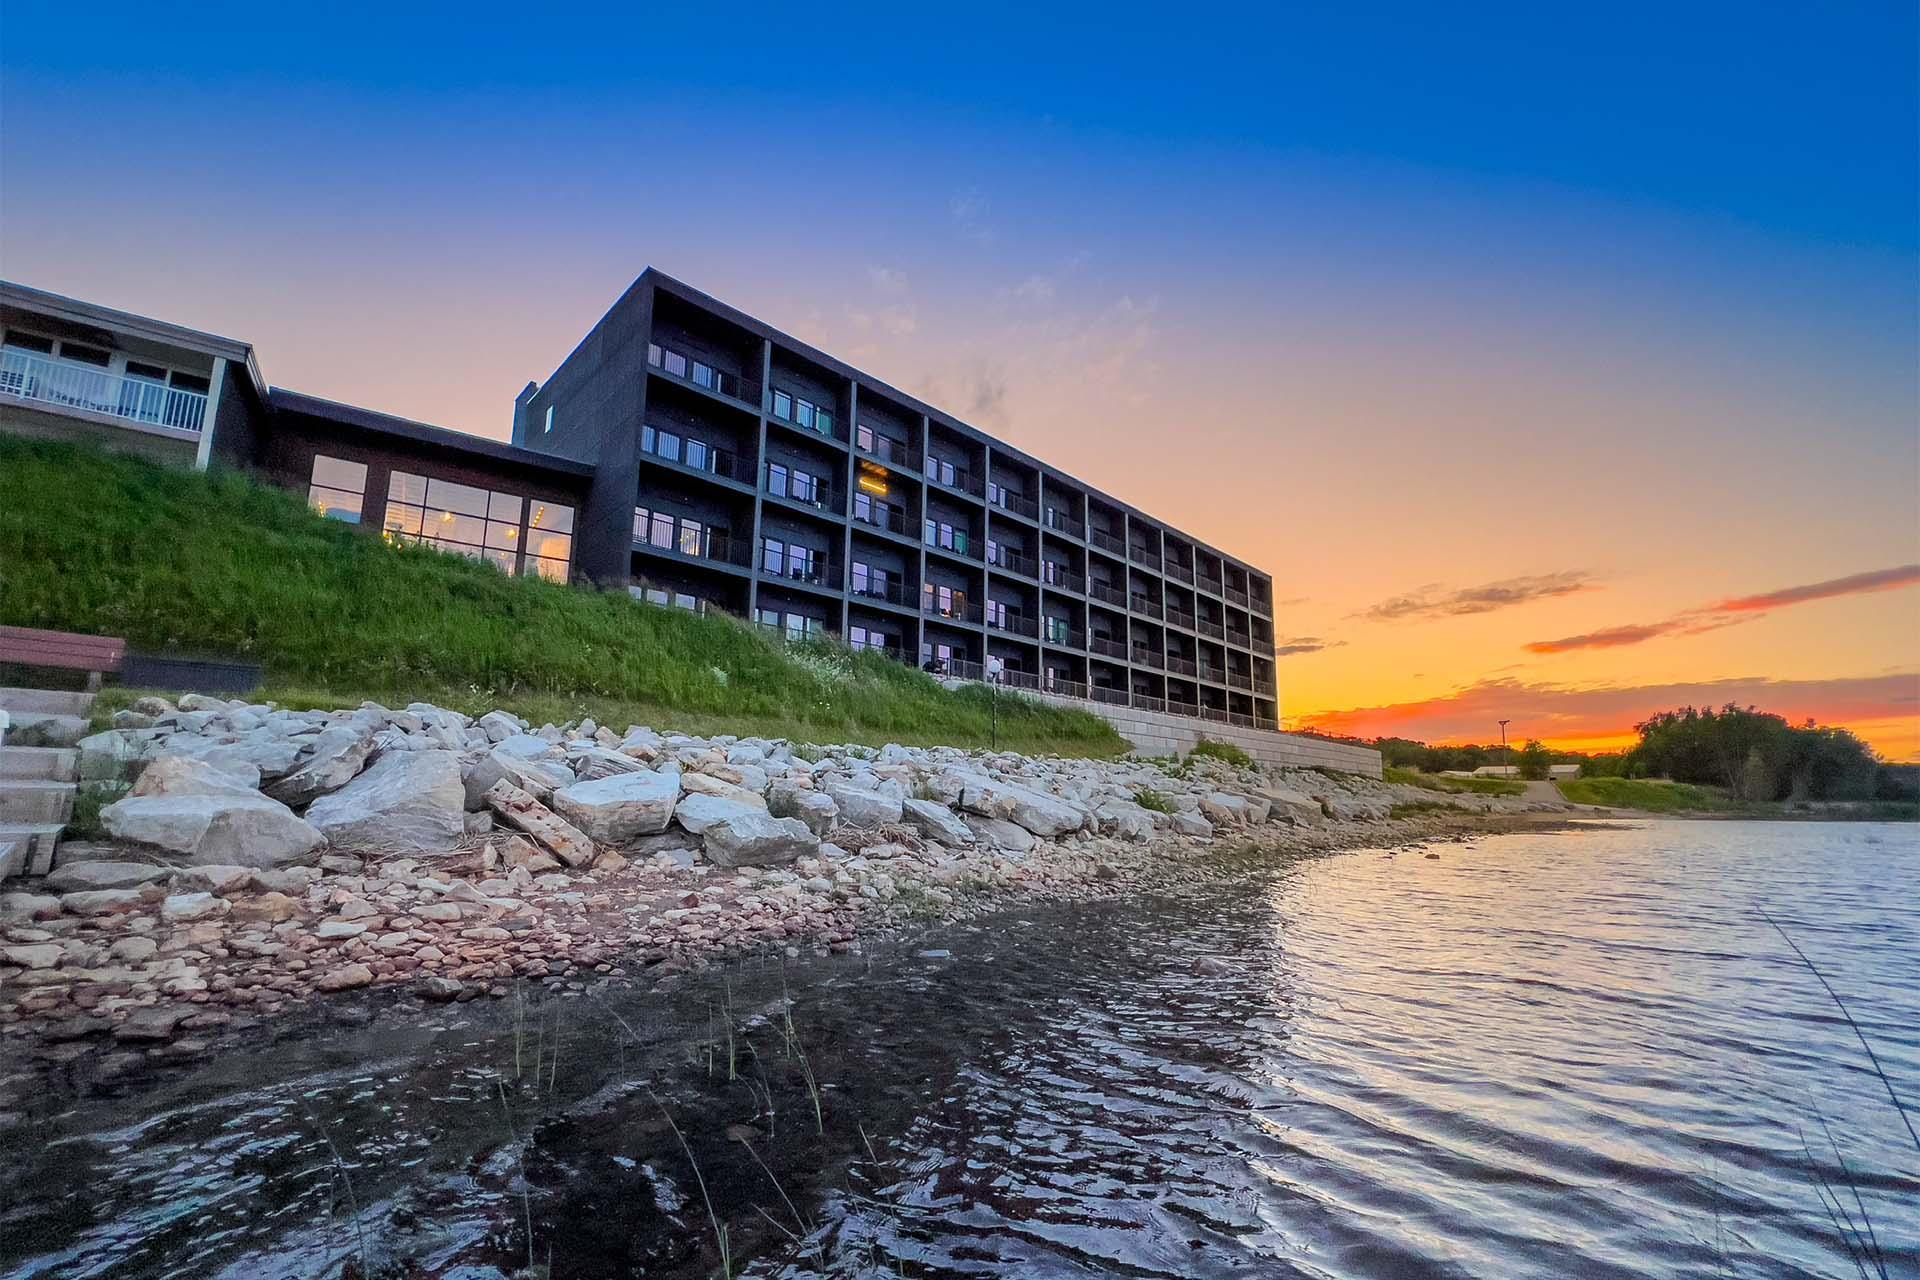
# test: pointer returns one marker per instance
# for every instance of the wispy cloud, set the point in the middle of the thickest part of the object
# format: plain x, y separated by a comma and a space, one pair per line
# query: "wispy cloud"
1036, 289
1436, 601
1727, 613
890, 281
969, 209
1291, 646
1566, 713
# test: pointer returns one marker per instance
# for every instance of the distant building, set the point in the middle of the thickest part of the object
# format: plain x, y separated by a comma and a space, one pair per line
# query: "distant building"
700, 458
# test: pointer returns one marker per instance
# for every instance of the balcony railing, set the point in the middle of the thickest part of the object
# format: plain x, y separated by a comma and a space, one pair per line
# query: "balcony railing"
1055, 574
1060, 521
1180, 618
1108, 593
1063, 637
1182, 666
797, 486
815, 572
1240, 679
954, 477
695, 455
885, 448
1018, 503
866, 587
961, 613
1263, 685
1145, 556
869, 510
1116, 697
1212, 586
81, 386
1236, 596
1240, 638
1012, 622
1107, 647
687, 368
1012, 561
1216, 675
1263, 607
1178, 572
1107, 541
1211, 628
1144, 607
961, 546
692, 542
1148, 656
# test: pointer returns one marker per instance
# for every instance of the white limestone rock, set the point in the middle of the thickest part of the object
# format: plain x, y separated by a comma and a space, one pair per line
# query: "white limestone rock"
621, 806
404, 800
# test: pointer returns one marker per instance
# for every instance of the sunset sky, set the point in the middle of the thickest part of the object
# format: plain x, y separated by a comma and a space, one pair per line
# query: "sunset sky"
1561, 367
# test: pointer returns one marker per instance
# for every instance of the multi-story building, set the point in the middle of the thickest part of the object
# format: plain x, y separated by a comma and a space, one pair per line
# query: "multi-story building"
700, 458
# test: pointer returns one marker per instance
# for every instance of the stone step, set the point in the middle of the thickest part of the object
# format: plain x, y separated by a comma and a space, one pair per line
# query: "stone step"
30, 803
46, 764
45, 729
55, 702
33, 847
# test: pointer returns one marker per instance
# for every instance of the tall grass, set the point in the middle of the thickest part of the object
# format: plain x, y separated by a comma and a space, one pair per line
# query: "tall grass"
1456, 786
1644, 794
220, 565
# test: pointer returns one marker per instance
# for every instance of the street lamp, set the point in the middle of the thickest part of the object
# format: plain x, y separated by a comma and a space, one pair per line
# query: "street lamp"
1505, 759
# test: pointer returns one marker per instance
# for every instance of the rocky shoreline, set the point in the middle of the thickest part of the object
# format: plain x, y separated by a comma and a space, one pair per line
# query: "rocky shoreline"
425, 857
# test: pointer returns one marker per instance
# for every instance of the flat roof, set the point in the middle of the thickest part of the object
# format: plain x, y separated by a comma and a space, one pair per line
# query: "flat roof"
284, 400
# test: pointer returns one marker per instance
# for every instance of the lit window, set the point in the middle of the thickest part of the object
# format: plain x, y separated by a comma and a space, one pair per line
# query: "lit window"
338, 488
547, 424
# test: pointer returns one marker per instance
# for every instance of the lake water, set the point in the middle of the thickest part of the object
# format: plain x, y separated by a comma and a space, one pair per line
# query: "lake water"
1577, 1053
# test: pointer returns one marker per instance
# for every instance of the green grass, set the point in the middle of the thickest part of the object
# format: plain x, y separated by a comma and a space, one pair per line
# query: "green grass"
1224, 751
1457, 786
1645, 794
1148, 798
218, 565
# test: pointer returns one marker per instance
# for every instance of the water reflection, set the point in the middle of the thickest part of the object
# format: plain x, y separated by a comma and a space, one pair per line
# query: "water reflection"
1535, 1056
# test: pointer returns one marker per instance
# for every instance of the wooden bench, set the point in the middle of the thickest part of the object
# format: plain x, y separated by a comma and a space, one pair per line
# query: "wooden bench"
95, 655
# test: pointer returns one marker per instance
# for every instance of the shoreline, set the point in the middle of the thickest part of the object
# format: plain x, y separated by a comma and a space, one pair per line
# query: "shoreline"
568, 939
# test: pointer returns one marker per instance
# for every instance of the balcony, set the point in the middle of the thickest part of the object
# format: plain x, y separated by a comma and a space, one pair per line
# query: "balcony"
1144, 556
1007, 500
812, 571
1182, 666
1240, 679
1055, 574
1012, 561
697, 456
1208, 627
1012, 622
1212, 586
893, 452
867, 585
677, 364
869, 510
797, 487
1236, 596
1115, 697
1214, 675
685, 540
1061, 522
1144, 607
1180, 618
1107, 647
959, 544
1148, 656
1178, 572
1241, 638
957, 612
1107, 541
1263, 607
82, 386
1062, 635
1263, 684
1107, 593
942, 472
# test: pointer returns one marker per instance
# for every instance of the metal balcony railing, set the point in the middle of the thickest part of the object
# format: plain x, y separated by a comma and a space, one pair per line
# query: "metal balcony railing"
1013, 562
1144, 607
1182, 666
1144, 556
82, 386
885, 448
1178, 572
796, 486
1261, 685
1063, 637
689, 454
1061, 522
953, 477
869, 510
1147, 656
1055, 574
1180, 618
1240, 679
961, 613
816, 572
866, 587
1213, 586
1263, 607
1215, 675
691, 369
1210, 628
1013, 623
1106, 592
1018, 503
1107, 647
1117, 697
1236, 596
691, 542
1107, 541
1240, 638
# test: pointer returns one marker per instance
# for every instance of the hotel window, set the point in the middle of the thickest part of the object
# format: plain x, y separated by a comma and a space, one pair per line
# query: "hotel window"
867, 638
782, 405
802, 413
549, 548
1058, 632
996, 614
945, 601
338, 489
480, 524
547, 423
869, 581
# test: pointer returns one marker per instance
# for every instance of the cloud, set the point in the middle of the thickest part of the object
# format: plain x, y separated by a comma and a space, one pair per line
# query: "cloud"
1435, 601
1570, 714
969, 209
1728, 613
1856, 584
890, 281
1290, 646
1036, 289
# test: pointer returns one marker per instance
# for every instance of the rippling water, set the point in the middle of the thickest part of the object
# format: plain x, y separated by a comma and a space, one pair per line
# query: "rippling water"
1580, 1053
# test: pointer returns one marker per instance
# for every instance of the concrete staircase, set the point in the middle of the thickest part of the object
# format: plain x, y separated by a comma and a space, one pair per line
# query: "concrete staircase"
38, 774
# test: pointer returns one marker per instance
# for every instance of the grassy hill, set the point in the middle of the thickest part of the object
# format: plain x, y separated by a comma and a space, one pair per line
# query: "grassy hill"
1648, 795
217, 565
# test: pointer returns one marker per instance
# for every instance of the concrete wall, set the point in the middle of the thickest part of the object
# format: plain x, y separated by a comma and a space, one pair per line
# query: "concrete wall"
1155, 733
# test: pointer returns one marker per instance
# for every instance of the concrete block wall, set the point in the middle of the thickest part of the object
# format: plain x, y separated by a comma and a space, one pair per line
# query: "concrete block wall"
1156, 733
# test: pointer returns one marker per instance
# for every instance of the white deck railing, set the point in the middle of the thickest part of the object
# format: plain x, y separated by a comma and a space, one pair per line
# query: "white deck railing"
81, 386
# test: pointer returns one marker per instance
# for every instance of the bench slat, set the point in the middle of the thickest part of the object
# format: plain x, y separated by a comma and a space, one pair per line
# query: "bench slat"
33, 647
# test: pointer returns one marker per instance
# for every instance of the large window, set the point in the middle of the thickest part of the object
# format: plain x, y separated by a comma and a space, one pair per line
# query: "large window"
517, 535
859, 637
338, 489
870, 581
802, 413
784, 481
939, 533
698, 372
794, 626
683, 534
948, 602
792, 560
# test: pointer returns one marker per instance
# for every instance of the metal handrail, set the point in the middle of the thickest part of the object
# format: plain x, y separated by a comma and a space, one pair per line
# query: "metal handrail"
1110, 594
965, 613
699, 373
1107, 648
82, 386
1178, 572
1010, 620
1055, 574
825, 573
1107, 541
1210, 628
1068, 639
1018, 503
885, 448
1144, 607
1060, 521
893, 592
1142, 555
963, 479
1013, 562
822, 496
1184, 666
1180, 618
879, 514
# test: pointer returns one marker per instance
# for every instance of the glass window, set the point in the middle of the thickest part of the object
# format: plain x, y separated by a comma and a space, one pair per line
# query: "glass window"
661, 533
668, 446
697, 454
823, 422
675, 364
691, 541
782, 405
776, 479
653, 354
461, 499
547, 423
646, 439
338, 488
85, 354
702, 374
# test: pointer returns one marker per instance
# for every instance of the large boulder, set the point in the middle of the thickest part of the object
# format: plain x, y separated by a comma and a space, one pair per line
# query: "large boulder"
697, 812
116, 754
935, 821
237, 827
405, 800
1001, 835
616, 808
196, 776
861, 807
593, 762
705, 784
519, 810
1125, 820
76, 877
1295, 807
338, 754
814, 808
756, 838
1038, 812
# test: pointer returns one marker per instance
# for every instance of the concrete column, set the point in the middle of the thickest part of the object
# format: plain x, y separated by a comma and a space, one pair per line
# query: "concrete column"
204, 453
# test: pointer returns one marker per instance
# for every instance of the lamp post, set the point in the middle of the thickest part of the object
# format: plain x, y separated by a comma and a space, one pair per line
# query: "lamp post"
994, 669
1506, 760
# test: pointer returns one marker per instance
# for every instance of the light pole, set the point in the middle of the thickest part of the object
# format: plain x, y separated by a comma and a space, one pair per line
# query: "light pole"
994, 669
1506, 760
